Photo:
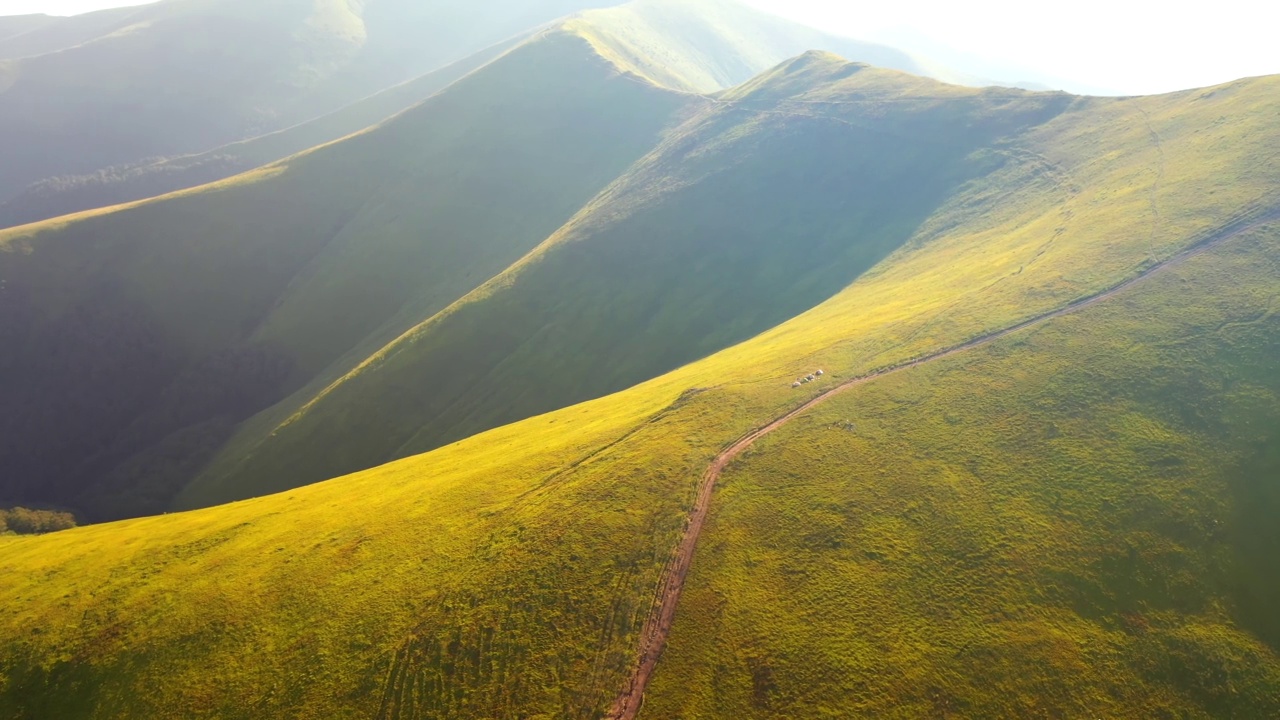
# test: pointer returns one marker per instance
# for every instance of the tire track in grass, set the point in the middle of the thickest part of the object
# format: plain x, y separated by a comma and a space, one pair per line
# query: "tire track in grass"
657, 628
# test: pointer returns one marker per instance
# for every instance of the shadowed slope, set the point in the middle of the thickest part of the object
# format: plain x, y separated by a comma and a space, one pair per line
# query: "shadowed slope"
121, 184
468, 174
179, 77
201, 308
703, 45
746, 216
980, 514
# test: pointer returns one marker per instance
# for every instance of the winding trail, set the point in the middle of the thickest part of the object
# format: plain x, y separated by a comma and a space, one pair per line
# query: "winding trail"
653, 636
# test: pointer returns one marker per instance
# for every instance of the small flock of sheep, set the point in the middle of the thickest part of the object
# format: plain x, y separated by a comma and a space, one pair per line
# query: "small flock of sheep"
808, 379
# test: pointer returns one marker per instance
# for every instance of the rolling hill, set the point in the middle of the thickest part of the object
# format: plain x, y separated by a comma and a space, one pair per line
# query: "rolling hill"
1059, 506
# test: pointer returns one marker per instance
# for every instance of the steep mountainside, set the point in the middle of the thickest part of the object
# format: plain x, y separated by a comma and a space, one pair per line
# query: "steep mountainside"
1070, 519
749, 214
353, 245
202, 308
185, 76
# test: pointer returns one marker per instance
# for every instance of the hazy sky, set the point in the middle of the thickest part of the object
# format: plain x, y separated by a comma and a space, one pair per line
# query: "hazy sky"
1127, 46
61, 7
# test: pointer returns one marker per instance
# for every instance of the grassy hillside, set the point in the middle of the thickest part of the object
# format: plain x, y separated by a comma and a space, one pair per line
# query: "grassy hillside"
200, 309
121, 184
743, 218
774, 199
988, 512
1067, 523
701, 46
180, 77
345, 249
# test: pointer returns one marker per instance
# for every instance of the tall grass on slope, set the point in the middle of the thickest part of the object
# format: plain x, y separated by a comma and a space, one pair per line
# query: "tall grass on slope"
1067, 523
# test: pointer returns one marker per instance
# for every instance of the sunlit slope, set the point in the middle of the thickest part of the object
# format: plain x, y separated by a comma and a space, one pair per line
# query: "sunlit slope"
127, 183
506, 575
709, 45
746, 216
1077, 521
758, 210
200, 309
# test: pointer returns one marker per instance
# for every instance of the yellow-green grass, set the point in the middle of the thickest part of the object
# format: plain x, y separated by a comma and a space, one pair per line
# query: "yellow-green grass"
506, 575
1030, 209
498, 545
1075, 521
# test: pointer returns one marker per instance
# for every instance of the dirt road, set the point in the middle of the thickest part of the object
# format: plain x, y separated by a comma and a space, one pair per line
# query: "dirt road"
653, 636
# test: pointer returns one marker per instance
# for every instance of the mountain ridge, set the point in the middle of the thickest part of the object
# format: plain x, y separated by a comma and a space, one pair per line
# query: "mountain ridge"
841, 391
510, 572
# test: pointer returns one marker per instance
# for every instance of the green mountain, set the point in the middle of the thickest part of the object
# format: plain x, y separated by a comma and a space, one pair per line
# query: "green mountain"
351, 246
122, 184
748, 214
1035, 478
207, 306
120, 87
698, 45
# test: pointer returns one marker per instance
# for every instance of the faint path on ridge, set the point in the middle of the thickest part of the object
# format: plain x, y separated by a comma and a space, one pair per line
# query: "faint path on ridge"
657, 628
